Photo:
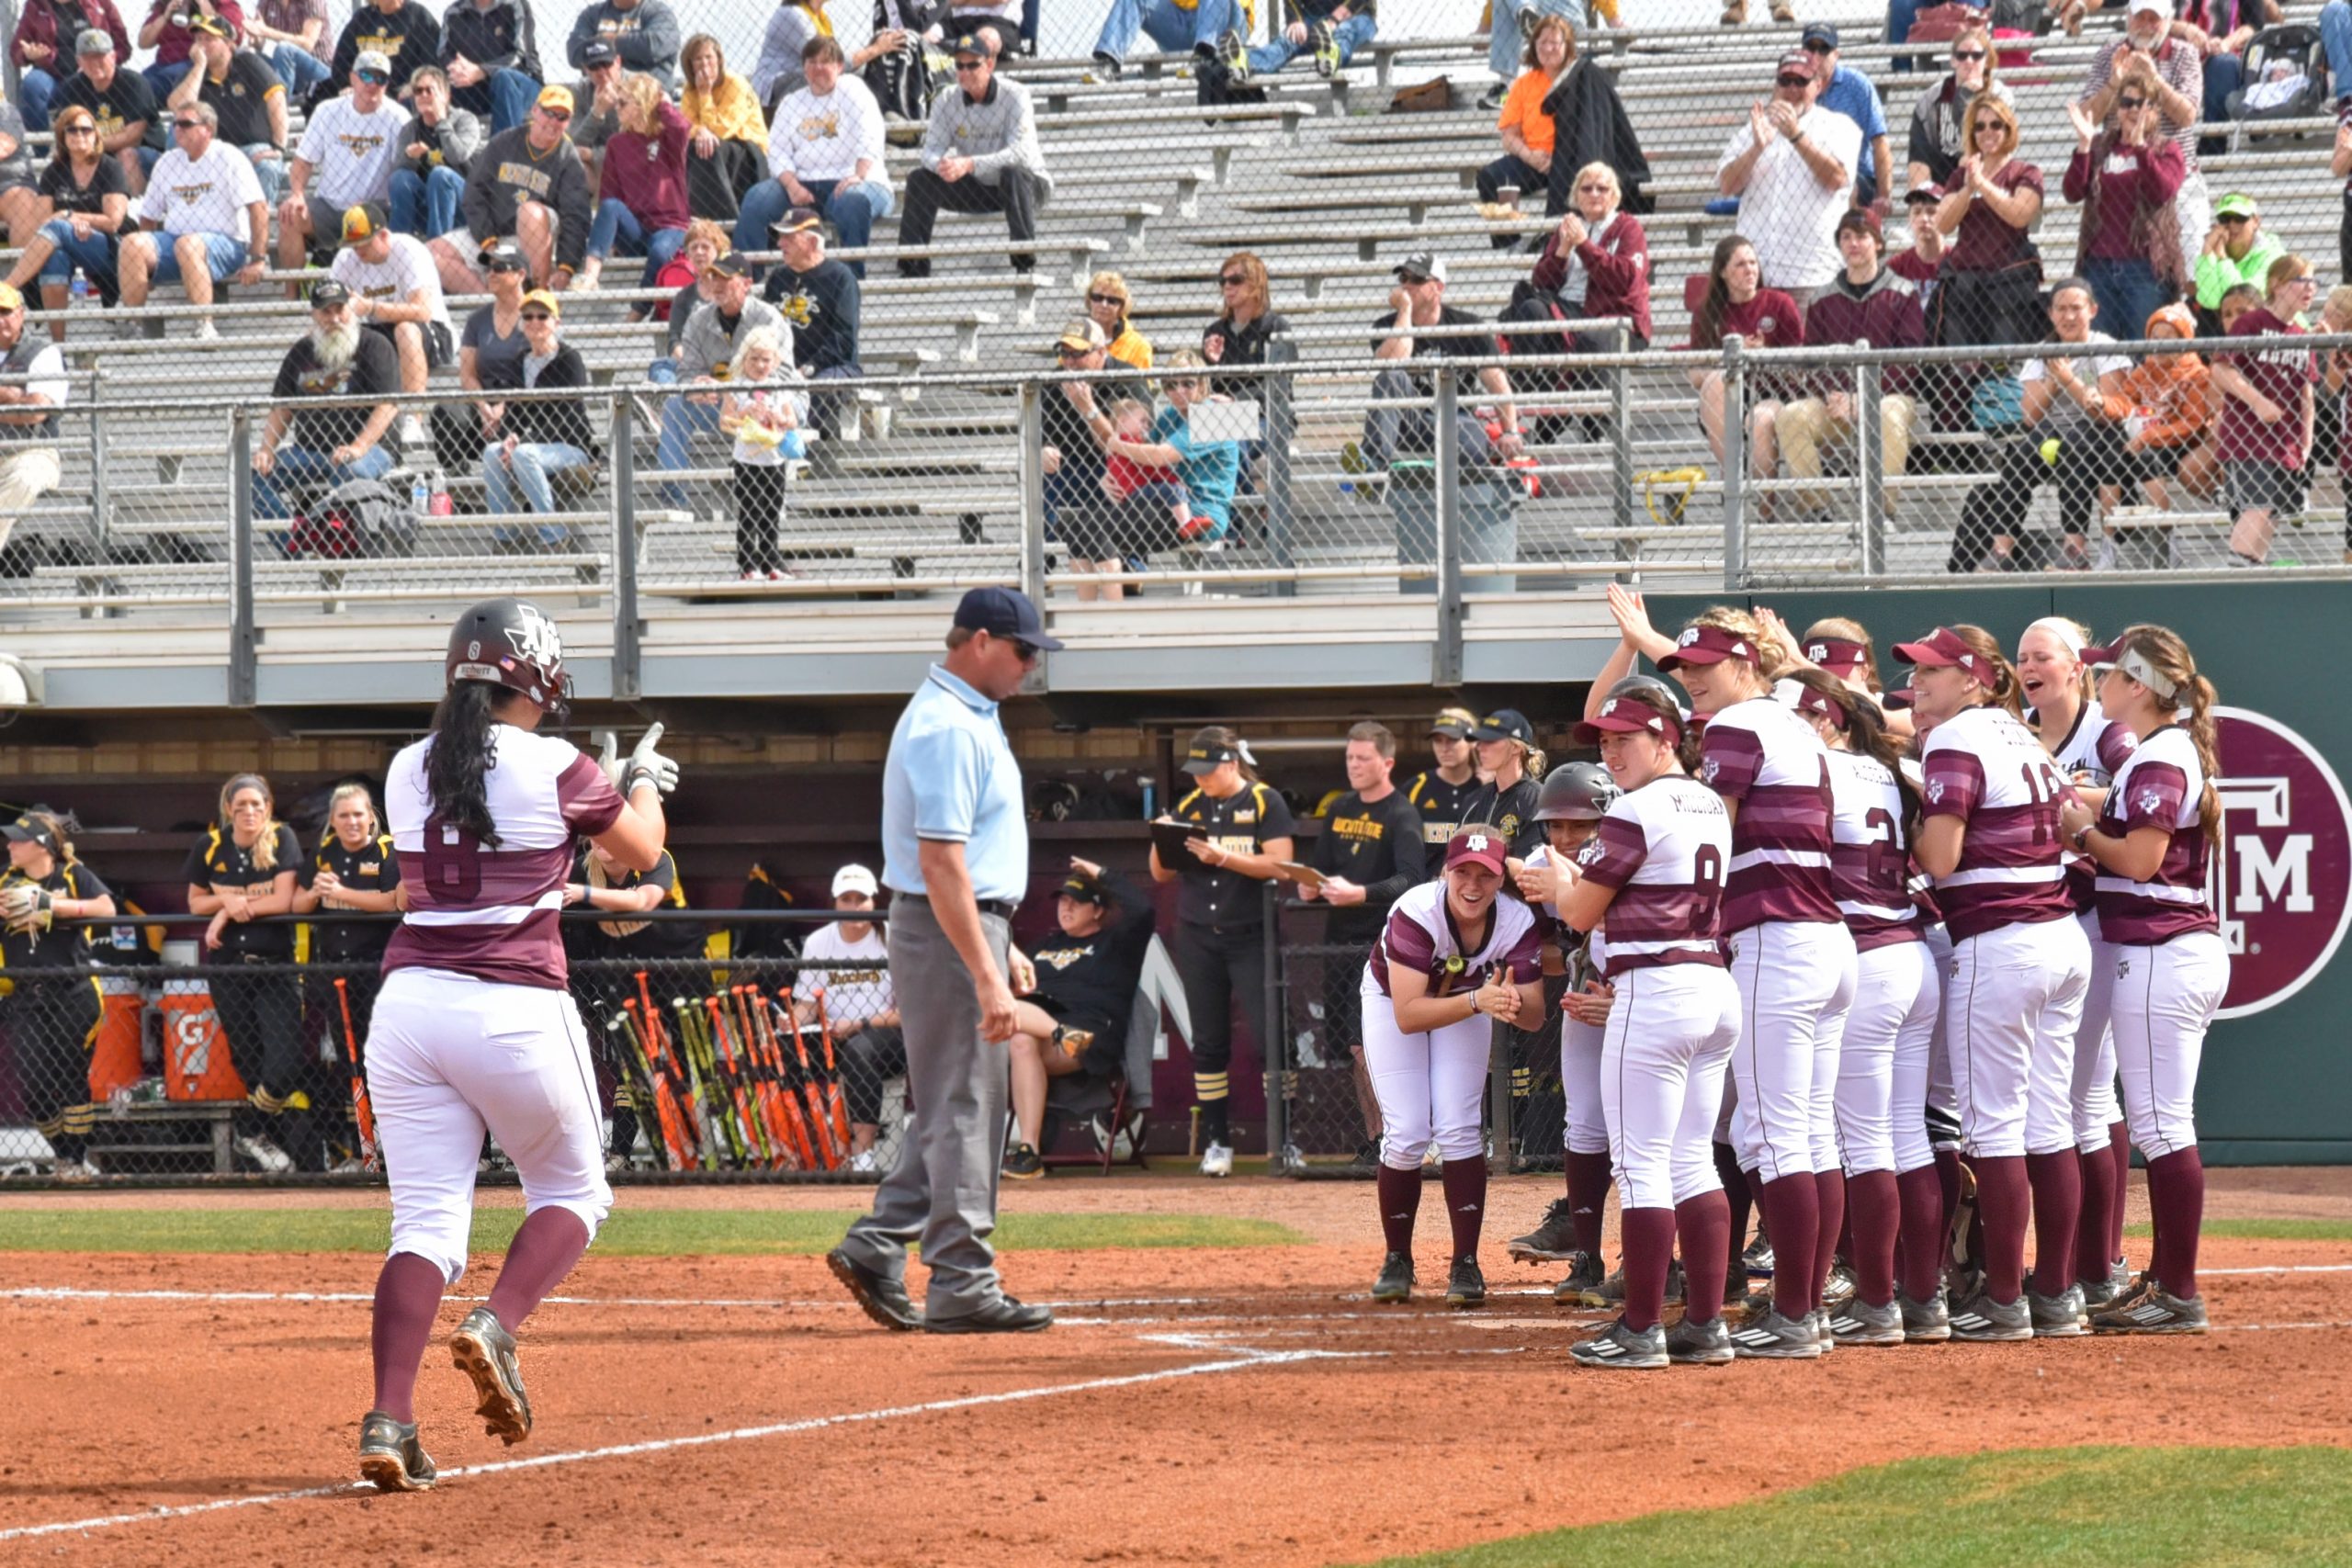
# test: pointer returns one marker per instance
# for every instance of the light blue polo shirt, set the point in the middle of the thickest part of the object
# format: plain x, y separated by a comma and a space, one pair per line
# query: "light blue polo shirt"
1850, 93
951, 775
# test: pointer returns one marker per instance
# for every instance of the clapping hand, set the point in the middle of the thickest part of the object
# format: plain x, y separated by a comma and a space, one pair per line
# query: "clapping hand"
1497, 997
1759, 121
2084, 126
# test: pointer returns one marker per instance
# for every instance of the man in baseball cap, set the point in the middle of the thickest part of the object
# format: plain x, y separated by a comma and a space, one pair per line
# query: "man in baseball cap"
1006, 615
327, 445
1418, 324
396, 292
986, 117
822, 300
349, 148
1079, 335
1792, 165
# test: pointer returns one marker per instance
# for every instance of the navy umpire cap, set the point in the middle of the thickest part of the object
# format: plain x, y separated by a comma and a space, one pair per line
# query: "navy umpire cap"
1005, 611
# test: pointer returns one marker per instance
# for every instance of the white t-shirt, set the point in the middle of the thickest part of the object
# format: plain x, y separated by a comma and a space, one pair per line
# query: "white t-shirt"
406, 270
2064, 412
354, 154
201, 195
1791, 221
853, 976
821, 138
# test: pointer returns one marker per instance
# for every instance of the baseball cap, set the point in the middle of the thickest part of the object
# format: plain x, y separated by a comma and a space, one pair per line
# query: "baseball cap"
29, 830
364, 221
1839, 656
975, 42
2117, 655
798, 219
2159, 7
598, 52
1820, 33
1929, 192
1623, 715
374, 60
1812, 701
1422, 264
1863, 220
327, 293
1081, 333
1477, 843
2237, 204
1085, 888
503, 258
10, 301
207, 24
1707, 645
546, 300
1457, 722
729, 264
1942, 649
1208, 751
93, 40
1005, 611
555, 98
1505, 724
1796, 62
855, 878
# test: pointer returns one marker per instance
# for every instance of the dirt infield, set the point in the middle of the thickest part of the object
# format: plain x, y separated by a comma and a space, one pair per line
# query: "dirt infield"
1211, 1406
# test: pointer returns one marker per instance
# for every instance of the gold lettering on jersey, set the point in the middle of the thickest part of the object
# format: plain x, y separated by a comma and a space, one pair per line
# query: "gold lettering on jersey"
1234, 843
1059, 958
537, 182
387, 44
1250, 816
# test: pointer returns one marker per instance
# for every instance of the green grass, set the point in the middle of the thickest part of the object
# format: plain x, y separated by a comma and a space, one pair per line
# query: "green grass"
2060, 1508
2265, 1230
640, 1233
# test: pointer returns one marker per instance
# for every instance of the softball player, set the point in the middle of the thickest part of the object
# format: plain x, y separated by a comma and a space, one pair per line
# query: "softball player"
247, 865
2149, 841
2019, 968
2086, 747
353, 868
1650, 885
1508, 761
1790, 957
474, 1027
53, 1004
1454, 958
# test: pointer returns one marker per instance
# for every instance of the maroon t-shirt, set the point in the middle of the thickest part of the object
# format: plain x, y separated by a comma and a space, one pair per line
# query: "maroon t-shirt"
2280, 372
1984, 243
2129, 178
1771, 319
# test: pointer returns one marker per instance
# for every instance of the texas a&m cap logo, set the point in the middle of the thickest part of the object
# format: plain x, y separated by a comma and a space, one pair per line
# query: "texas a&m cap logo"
2281, 880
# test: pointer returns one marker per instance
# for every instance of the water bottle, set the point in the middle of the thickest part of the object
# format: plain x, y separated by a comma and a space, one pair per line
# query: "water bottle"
420, 494
81, 294
1150, 799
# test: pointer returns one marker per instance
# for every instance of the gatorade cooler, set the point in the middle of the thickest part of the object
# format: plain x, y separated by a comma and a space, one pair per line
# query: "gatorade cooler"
115, 1056
196, 1053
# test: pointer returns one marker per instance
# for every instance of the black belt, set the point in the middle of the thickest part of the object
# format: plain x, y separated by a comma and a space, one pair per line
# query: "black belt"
1003, 909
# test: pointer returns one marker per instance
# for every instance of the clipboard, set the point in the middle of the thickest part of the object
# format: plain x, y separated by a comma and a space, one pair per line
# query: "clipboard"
1299, 872
1168, 837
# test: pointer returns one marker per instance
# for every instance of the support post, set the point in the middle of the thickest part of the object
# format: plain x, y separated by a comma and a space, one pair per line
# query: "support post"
1275, 1053
1448, 659
1032, 462
628, 629
1278, 422
1870, 457
1621, 423
1735, 465
245, 639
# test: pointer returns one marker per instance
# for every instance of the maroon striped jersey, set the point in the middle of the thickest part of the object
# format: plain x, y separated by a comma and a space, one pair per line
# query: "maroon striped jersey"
2160, 785
1421, 936
1985, 768
1765, 758
1870, 863
1666, 849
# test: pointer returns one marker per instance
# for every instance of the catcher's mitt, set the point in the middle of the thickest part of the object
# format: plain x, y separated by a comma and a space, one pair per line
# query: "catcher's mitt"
26, 907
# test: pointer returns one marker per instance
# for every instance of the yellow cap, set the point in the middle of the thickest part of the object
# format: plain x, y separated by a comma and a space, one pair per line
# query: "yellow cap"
555, 97
543, 296
10, 300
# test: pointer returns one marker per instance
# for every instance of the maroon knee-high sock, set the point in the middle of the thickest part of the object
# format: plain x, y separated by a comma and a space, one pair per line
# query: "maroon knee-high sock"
544, 1247
1703, 1223
1588, 1197
2118, 1146
1845, 1245
2091, 1255
1739, 1197
1648, 1235
1793, 1210
1829, 1192
2056, 1182
408, 1296
1465, 1201
1874, 1212
2177, 1201
1400, 1200
2004, 1200
1924, 1230
1947, 1183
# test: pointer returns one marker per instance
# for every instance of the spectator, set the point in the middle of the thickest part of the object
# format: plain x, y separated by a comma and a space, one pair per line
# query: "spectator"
1590, 125
1107, 303
1526, 128
1007, 22
493, 335
765, 422
402, 31
437, 148
293, 36
1075, 427
1990, 289
45, 43
1938, 128
352, 144
2168, 435
490, 50
539, 438
1248, 321
783, 48
525, 184
1511, 31
2170, 72
1841, 89
2265, 432
641, 209
352, 869
1075, 1020
825, 152
396, 292
819, 298
846, 969
1920, 264
1871, 306
2073, 411
705, 242
1330, 30
1418, 303
2126, 177
645, 32
600, 120
1793, 167
895, 61
86, 190
1173, 25
169, 29
706, 356
2237, 251
1595, 265
245, 95
130, 125
728, 151
32, 391
20, 201
1735, 302
53, 1008
2221, 29
980, 154
324, 447
245, 866
207, 192
1208, 471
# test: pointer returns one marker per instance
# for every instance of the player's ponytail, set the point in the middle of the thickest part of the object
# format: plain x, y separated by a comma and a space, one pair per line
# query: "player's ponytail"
59, 823
2004, 684
457, 767
2192, 698
264, 850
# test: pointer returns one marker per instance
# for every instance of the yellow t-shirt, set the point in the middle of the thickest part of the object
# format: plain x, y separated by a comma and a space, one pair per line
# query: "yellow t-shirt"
731, 112
1523, 109
1132, 346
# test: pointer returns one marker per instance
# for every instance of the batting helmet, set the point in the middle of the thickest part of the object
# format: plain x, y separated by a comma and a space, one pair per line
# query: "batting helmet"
508, 643
1575, 791
1650, 684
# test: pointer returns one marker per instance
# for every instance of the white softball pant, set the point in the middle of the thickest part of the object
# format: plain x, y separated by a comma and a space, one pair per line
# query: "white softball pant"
2010, 1013
1943, 1101
2095, 1109
2164, 999
448, 1056
1662, 1059
1882, 1059
1429, 1086
1580, 1047
1796, 982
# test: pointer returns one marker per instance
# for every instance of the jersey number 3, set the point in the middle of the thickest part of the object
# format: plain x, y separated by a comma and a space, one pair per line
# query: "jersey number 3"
452, 863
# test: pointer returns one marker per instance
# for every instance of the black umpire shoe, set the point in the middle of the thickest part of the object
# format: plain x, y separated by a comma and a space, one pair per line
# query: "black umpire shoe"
883, 1297
1003, 1315
484, 1351
390, 1456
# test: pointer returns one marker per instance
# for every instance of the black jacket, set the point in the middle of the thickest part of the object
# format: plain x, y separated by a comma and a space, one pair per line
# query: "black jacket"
558, 419
1590, 125
500, 39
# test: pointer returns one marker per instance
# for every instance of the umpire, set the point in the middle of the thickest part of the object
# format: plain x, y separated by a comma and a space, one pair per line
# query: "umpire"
955, 852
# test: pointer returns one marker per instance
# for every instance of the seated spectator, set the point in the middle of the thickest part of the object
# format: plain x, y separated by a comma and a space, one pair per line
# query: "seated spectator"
1525, 126
1507, 39
1246, 322
293, 38
213, 223
819, 298
1989, 291
304, 443
402, 31
895, 61
644, 32
438, 147
2264, 435
1075, 1021
846, 969
1920, 264
765, 424
980, 154
525, 184
598, 97
1871, 306
1737, 302
1107, 303
2167, 71
44, 44
539, 437
2168, 435
705, 240
490, 52
1074, 428
641, 206
1793, 167
1175, 27
1418, 303
1595, 265
245, 94
706, 356
130, 123
2129, 250
1843, 90
2236, 251
2075, 412
824, 150
395, 291
92, 200
1206, 472
792, 27
1007, 21
1330, 30
168, 31
352, 145
1938, 132
729, 153
21, 207
493, 335
32, 390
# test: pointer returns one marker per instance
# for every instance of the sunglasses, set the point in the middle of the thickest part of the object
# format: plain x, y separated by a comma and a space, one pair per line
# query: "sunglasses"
970, 64
188, 125
1232, 280
1601, 185
1818, 47
376, 77
2236, 217
538, 315
1795, 82
2129, 104
558, 115
1027, 653
1968, 55
1105, 300
79, 130
1411, 279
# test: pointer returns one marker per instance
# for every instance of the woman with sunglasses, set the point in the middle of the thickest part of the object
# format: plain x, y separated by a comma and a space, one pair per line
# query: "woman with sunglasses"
1989, 287
91, 200
1595, 265
1939, 123
2125, 177
642, 205
1245, 320
1107, 303
539, 437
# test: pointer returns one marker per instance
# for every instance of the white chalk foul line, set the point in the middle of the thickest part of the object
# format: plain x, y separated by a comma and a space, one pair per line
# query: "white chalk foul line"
93, 1293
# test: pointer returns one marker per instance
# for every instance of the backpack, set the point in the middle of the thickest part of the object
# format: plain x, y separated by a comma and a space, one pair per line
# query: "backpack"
357, 519
2285, 75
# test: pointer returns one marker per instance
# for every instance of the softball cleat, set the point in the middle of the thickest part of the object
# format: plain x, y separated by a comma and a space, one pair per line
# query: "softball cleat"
484, 1351
391, 1457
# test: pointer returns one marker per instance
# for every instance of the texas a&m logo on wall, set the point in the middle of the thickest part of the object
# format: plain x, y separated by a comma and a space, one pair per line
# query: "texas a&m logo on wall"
2283, 880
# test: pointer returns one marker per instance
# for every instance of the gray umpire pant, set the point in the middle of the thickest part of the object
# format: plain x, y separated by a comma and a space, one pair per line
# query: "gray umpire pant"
942, 1190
